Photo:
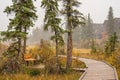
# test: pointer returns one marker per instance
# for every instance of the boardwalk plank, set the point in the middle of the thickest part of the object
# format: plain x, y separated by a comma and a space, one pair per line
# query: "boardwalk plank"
98, 70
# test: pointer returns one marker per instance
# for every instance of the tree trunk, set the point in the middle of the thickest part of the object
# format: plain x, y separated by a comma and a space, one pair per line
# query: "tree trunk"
24, 44
18, 57
69, 50
19, 47
19, 42
57, 51
69, 40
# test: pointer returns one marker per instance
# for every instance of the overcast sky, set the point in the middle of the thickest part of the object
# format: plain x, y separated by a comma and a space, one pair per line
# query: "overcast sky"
97, 8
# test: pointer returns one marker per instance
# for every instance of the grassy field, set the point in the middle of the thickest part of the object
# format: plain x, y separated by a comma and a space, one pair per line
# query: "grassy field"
75, 63
66, 76
47, 55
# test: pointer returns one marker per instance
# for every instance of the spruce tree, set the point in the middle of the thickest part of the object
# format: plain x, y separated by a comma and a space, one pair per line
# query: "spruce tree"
90, 29
87, 32
51, 20
93, 46
24, 15
110, 24
74, 18
111, 44
112, 36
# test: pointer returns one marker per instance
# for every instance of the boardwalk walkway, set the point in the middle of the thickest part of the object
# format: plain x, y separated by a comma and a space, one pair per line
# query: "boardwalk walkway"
98, 70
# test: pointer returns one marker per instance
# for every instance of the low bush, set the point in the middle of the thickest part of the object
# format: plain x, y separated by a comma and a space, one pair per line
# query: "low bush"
34, 72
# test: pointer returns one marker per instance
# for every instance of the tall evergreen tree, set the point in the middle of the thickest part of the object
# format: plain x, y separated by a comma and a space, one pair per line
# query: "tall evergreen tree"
111, 44
76, 37
87, 32
51, 20
24, 12
74, 19
93, 46
90, 28
110, 24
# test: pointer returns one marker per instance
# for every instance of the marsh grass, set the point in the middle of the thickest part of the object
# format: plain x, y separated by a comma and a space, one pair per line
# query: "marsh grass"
47, 57
73, 75
75, 63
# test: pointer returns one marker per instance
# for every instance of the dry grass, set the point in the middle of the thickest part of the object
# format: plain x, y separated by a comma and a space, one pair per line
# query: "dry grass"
3, 47
75, 63
66, 76
46, 53
81, 50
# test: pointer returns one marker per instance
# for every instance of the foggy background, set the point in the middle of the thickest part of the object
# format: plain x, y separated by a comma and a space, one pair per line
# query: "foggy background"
97, 8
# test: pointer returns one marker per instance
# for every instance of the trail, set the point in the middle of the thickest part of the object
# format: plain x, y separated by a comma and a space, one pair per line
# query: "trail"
98, 70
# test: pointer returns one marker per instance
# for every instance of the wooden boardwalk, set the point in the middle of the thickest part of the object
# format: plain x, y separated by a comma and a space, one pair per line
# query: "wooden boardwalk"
98, 70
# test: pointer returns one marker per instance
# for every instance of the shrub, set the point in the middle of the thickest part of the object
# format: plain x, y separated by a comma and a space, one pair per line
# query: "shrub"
50, 65
34, 72
46, 54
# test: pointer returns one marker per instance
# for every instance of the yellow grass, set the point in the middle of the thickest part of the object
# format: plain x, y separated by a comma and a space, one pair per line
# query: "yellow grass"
66, 76
2, 48
81, 50
75, 63
73, 75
